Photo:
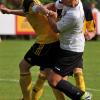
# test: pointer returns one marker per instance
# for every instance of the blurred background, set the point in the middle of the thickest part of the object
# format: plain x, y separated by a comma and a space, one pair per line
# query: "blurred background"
18, 25
16, 37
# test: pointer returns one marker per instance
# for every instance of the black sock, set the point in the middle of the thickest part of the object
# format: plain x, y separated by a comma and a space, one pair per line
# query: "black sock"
70, 90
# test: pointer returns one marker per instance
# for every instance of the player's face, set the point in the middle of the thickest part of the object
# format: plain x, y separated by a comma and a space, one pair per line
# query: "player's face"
69, 2
66, 2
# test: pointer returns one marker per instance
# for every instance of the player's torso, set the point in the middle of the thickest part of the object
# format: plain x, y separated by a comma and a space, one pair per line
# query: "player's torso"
42, 28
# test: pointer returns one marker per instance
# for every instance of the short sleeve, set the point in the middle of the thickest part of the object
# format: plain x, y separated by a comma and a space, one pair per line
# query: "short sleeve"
65, 23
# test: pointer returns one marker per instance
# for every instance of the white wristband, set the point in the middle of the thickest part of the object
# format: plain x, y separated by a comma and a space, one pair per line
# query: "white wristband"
34, 8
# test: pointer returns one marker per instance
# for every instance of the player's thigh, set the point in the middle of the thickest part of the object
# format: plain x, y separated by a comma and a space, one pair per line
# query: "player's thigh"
54, 78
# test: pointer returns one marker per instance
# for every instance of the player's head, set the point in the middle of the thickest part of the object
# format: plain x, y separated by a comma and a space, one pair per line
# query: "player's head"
59, 4
70, 2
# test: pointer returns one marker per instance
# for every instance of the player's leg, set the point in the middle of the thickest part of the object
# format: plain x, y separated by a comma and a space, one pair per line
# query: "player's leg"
47, 62
30, 59
25, 80
65, 64
56, 81
79, 78
80, 83
43, 51
53, 48
58, 94
37, 90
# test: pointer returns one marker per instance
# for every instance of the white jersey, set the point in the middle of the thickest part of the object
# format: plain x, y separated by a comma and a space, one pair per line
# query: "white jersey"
70, 27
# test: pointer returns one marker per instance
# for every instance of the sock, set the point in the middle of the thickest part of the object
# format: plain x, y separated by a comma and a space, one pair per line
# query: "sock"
26, 85
38, 87
80, 80
70, 90
58, 94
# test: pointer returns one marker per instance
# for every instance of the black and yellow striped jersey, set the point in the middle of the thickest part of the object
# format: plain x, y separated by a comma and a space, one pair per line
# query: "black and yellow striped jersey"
40, 24
89, 24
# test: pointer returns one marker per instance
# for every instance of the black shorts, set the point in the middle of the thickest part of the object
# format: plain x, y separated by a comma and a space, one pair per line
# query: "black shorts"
67, 61
43, 55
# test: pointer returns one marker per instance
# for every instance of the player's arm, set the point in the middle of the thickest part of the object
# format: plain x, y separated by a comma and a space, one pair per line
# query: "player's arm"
91, 30
51, 6
50, 15
89, 24
6, 10
40, 9
44, 9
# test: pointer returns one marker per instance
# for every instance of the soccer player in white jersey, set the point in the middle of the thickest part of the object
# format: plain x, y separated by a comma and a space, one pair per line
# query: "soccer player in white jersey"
89, 33
71, 47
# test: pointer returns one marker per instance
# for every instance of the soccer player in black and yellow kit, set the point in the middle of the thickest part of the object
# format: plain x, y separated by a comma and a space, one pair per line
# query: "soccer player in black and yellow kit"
41, 53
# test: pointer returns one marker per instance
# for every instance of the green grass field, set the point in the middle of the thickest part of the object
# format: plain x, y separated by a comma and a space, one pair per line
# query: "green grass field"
12, 51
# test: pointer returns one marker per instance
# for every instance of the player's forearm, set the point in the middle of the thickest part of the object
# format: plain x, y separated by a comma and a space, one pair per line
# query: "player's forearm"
6, 10
50, 15
17, 12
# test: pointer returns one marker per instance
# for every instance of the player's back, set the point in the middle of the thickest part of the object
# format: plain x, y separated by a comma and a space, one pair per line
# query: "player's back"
40, 24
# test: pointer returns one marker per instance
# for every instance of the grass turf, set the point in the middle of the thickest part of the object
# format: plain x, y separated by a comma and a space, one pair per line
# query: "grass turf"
12, 51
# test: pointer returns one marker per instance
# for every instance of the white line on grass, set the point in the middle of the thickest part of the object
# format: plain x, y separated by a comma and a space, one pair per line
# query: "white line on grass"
16, 81
91, 89
9, 80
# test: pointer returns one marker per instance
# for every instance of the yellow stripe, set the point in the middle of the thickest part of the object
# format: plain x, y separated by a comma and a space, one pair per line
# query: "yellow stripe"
37, 1
39, 49
90, 25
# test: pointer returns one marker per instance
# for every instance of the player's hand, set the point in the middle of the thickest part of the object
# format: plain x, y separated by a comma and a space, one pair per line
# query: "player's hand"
5, 10
52, 14
89, 35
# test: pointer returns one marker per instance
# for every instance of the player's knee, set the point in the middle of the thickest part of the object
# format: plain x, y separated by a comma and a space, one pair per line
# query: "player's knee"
24, 66
53, 79
52, 82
